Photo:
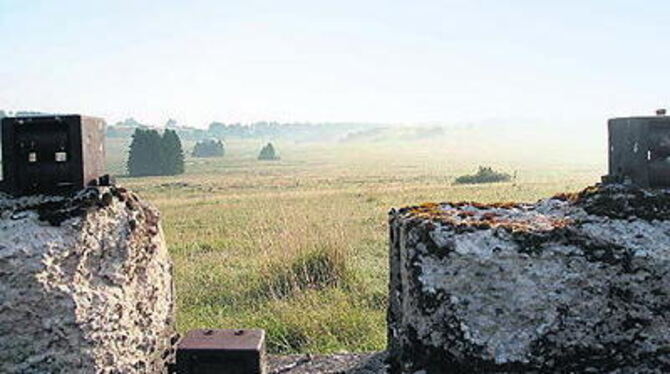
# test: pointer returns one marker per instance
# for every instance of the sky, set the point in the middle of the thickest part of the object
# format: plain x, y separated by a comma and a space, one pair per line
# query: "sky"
567, 64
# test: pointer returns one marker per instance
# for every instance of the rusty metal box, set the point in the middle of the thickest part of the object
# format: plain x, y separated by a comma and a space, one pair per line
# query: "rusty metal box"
639, 150
51, 154
222, 351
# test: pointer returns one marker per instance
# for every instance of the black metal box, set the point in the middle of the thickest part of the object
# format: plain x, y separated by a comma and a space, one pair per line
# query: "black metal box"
639, 150
222, 352
51, 154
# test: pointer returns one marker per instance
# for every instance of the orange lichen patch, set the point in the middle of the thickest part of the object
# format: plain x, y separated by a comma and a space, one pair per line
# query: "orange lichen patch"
574, 197
512, 217
567, 196
430, 205
500, 205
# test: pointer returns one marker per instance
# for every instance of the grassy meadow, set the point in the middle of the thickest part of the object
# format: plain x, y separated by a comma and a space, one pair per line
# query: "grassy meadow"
299, 246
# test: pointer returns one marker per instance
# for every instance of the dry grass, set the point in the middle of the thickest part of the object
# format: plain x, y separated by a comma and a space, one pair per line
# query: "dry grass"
299, 246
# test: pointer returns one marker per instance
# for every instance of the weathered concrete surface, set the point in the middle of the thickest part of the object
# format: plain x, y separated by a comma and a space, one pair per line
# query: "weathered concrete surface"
349, 363
85, 285
577, 283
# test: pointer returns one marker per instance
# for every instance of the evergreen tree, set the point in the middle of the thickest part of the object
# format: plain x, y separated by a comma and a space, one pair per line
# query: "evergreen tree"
172, 154
138, 162
153, 154
268, 153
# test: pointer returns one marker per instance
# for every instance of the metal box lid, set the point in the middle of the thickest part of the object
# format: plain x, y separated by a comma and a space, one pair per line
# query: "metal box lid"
223, 339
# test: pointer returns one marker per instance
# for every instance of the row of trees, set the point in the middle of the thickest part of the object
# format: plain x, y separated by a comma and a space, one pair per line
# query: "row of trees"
154, 154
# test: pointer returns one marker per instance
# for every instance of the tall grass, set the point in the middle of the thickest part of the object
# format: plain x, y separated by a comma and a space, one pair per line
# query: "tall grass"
315, 269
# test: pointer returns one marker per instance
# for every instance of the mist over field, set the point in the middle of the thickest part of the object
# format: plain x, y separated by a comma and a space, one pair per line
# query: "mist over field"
518, 145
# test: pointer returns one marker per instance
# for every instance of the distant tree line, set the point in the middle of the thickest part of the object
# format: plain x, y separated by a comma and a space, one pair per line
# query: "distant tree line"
257, 130
126, 128
154, 154
276, 130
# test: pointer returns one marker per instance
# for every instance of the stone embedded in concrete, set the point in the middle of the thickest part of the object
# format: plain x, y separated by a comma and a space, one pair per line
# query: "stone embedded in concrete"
85, 285
576, 283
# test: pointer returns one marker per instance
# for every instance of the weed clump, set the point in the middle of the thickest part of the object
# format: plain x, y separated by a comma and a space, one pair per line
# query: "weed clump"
485, 174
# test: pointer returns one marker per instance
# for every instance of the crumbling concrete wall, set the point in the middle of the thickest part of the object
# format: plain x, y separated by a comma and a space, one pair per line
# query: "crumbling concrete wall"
576, 283
85, 285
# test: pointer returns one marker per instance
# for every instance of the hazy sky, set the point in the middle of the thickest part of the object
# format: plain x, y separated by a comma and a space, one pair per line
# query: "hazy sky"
573, 63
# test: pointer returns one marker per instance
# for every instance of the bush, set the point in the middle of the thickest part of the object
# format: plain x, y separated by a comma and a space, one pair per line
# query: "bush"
154, 154
268, 153
209, 148
485, 174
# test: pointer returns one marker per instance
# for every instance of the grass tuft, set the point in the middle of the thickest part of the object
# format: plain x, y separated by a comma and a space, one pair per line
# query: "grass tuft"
314, 269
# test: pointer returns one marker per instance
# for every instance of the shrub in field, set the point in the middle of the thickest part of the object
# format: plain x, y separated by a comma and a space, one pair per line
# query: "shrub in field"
154, 154
268, 153
209, 148
485, 174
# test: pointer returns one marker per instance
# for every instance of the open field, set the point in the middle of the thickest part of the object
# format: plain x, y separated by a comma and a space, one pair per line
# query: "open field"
299, 246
